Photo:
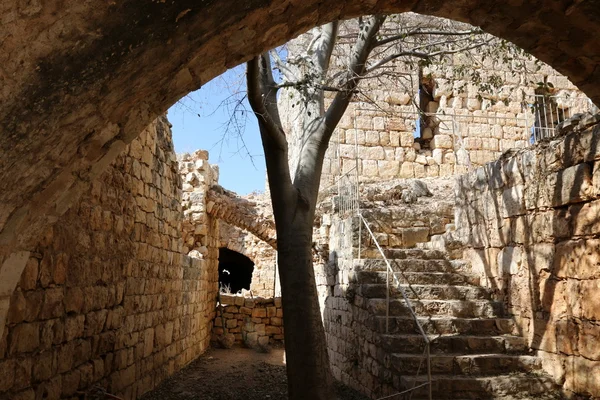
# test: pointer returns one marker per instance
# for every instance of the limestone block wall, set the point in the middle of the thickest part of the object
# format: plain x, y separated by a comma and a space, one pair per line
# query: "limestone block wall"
466, 126
466, 131
107, 298
531, 222
254, 321
397, 224
198, 228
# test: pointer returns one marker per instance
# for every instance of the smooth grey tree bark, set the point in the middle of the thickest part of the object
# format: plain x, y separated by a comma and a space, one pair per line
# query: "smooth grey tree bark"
294, 182
294, 197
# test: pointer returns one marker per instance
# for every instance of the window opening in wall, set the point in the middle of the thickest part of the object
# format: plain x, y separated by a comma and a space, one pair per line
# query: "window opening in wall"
545, 111
427, 105
235, 271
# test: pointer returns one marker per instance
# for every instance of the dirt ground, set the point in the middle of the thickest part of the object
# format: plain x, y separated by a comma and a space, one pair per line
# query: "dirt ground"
232, 374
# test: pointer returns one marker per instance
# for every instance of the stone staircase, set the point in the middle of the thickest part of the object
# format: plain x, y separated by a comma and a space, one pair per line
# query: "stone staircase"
476, 352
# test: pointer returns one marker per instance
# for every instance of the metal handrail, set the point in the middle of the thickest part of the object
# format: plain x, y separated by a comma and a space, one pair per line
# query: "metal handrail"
389, 270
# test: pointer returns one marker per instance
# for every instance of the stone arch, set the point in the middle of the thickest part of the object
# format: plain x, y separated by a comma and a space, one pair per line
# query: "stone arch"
262, 255
239, 212
78, 83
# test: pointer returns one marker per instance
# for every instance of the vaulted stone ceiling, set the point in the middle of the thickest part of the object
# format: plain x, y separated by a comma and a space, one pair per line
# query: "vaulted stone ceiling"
79, 80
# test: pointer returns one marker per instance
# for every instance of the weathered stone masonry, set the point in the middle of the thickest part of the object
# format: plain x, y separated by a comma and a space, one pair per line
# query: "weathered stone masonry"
107, 297
253, 321
75, 77
531, 221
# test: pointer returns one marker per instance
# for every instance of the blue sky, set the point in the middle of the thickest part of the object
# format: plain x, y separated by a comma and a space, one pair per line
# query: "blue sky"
200, 121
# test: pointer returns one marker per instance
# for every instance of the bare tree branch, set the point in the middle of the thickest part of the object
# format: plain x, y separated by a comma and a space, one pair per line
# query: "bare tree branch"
288, 74
262, 99
424, 55
415, 32
357, 66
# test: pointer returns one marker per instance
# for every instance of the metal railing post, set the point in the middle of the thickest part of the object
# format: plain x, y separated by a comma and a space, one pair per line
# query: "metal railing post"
387, 301
408, 305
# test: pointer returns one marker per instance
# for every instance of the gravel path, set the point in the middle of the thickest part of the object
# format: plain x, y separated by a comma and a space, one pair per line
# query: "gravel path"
233, 374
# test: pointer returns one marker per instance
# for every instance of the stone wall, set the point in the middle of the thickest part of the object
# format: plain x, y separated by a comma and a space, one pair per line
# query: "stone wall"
72, 100
199, 229
254, 321
466, 127
107, 298
465, 132
531, 221
264, 256
244, 224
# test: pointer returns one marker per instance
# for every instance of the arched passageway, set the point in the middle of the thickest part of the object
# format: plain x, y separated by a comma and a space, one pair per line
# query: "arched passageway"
235, 271
79, 82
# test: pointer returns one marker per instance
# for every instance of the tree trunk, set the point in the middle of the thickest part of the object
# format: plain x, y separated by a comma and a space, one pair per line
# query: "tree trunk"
308, 371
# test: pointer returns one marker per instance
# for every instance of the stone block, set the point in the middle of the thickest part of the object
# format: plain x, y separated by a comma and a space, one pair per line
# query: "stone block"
441, 141
74, 327
510, 260
231, 323
7, 374
239, 301
582, 376
245, 310
412, 236
260, 329
24, 338
513, 201
420, 171
540, 257
70, 382
407, 170
585, 218
388, 169
578, 259
251, 339
23, 368
570, 185
272, 330
148, 336
406, 139
263, 341
73, 300
30, 274
588, 336
227, 299
44, 367
590, 304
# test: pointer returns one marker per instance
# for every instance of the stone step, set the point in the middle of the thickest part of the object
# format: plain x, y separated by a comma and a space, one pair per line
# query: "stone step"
446, 325
422, 254
419, 278
454, 344
505, 387
453, 308
466, 364
414, 265
426, 292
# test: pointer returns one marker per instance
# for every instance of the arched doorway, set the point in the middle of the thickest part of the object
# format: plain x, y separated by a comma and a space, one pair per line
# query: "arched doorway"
235, 271
91, 88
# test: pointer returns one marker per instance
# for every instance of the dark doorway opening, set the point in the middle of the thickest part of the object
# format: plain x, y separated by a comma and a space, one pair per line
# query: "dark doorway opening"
235, 271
